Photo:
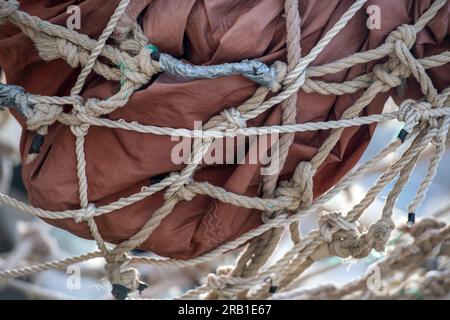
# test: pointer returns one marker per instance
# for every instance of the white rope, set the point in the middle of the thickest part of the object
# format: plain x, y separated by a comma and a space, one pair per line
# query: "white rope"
421, 121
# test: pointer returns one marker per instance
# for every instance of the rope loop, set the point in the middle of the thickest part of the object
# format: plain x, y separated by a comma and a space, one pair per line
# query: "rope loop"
80, 130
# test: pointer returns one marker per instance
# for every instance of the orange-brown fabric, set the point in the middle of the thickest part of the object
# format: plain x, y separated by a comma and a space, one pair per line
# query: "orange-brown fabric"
119, 163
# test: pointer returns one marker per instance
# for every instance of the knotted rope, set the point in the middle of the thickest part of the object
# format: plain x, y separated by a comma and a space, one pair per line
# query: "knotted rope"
283, 202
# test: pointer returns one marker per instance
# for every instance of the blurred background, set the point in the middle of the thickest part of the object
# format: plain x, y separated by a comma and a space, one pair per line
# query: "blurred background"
25, 240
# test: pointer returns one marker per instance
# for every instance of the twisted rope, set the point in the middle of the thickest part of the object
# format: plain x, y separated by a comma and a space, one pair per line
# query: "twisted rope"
283, 202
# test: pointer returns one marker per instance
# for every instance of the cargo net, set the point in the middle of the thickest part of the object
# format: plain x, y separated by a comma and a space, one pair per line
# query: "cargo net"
426, 121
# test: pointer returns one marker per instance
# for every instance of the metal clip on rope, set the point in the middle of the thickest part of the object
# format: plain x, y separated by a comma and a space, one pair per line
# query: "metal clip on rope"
13, 97
253, 69
16, 98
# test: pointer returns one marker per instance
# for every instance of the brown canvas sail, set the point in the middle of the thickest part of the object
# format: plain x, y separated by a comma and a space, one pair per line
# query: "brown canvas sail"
120, 163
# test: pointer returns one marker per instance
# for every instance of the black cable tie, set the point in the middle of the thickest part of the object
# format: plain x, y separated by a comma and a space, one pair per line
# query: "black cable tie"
272, 289
402, 135
154, 51
120, 292
411, 219
158, 178
142, 286
36, 144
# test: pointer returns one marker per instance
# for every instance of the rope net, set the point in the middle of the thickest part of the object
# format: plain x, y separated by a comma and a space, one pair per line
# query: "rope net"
282, 204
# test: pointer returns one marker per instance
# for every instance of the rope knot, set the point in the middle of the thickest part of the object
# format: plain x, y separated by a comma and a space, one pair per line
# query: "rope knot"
225, 270
42, 115
344, 239
412, 112
219, 282
300, 188
379, 233
403, 35
398, 66
177, 189
66, 49
80, 130
235, 118
331, 223
89, 108
281, 70
384, 74
216, 282
186, 194
267, 216
86, 214
409, 34
131, 46
7, 8
124, 279
147, 65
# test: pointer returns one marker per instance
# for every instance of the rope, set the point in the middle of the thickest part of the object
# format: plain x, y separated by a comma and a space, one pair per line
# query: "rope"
283, 202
